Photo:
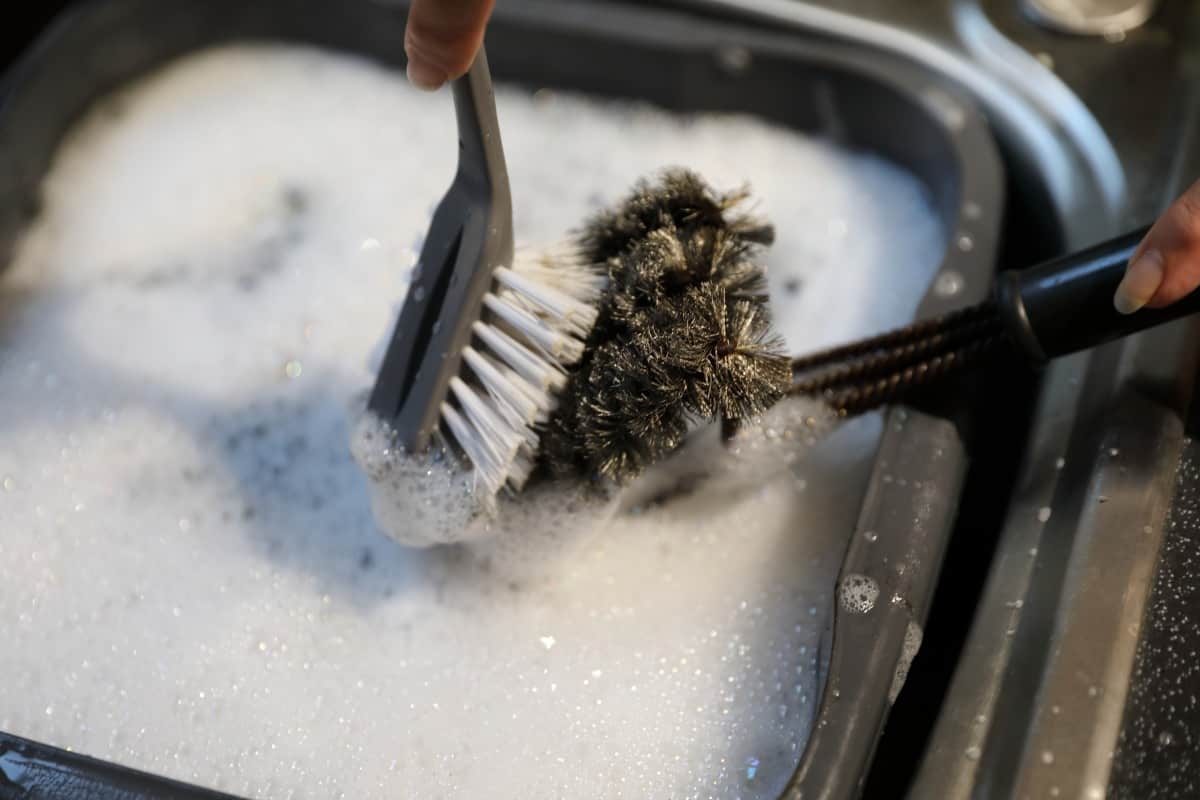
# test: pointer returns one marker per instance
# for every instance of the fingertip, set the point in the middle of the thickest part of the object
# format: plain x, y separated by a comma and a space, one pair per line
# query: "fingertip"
1142, 281
1125, 303
1176, 240
441, 39
425, 76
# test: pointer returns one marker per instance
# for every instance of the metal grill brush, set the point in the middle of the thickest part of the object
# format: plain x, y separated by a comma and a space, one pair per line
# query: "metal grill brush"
1054, 309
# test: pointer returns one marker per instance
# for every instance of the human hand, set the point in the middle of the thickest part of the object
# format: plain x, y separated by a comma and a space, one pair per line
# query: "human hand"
442, 38
1166, 266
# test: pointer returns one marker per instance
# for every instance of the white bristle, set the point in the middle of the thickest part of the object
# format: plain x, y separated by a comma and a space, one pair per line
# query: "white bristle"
512, 402
519, 410
515, 387
472, 445
496, 449
529, 366
502, 438
521, 467
543, 309
576, 315
560, 347
530, 392
564, 268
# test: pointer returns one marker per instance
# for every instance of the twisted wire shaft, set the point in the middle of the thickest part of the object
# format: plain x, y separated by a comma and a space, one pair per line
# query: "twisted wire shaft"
880, 363
859, 399
896, 338
865, 375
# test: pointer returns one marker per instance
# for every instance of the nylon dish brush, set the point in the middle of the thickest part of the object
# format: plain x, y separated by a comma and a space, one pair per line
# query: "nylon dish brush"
609, 346
483, 342
1054, 309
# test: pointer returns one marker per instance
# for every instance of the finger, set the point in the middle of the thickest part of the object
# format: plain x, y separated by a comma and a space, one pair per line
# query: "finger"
442, 38
1166, 266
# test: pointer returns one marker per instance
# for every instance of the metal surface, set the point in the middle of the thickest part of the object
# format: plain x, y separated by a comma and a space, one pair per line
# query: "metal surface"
1046, 97
1054, 143
1158, 754
31, 771
1060, 589
1068, 585
955, 762
1141, 88
1098, 619
884, 591
1091, 17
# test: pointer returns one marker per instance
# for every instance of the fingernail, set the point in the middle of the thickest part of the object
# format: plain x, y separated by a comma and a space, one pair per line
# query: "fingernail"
1141, 281
424, 75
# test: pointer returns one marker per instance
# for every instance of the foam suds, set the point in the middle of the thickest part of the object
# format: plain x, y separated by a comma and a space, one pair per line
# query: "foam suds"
858, 593
420, 499
191, 574
427, 499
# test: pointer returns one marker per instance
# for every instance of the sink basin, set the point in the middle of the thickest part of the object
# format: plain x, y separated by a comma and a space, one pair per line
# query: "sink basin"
680, 62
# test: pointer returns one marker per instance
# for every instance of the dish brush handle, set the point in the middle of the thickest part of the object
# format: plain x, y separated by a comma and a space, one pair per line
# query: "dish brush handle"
469, 237
480, 152
1066, 305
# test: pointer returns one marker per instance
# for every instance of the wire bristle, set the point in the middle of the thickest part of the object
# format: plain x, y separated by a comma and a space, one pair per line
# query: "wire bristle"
677, 197
683, 330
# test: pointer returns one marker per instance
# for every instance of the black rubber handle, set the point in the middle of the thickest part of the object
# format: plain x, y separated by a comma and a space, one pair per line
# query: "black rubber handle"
1066, 305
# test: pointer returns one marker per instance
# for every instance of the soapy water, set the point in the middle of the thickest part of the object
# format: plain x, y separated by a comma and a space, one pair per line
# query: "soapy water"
428, 499
193, 579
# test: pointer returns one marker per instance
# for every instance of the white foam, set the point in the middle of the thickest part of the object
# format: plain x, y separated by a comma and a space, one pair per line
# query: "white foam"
189, 568
913, 634
858, 593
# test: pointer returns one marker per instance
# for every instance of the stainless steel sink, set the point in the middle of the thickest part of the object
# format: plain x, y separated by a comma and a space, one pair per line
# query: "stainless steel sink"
1104, 129
1037, 605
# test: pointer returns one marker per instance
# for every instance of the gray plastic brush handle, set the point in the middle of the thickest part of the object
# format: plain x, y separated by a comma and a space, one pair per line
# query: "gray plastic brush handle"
486, 244
481, 153
1066, 305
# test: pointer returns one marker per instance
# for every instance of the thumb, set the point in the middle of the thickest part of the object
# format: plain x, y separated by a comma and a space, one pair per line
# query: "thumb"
442, 38
1166, 266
